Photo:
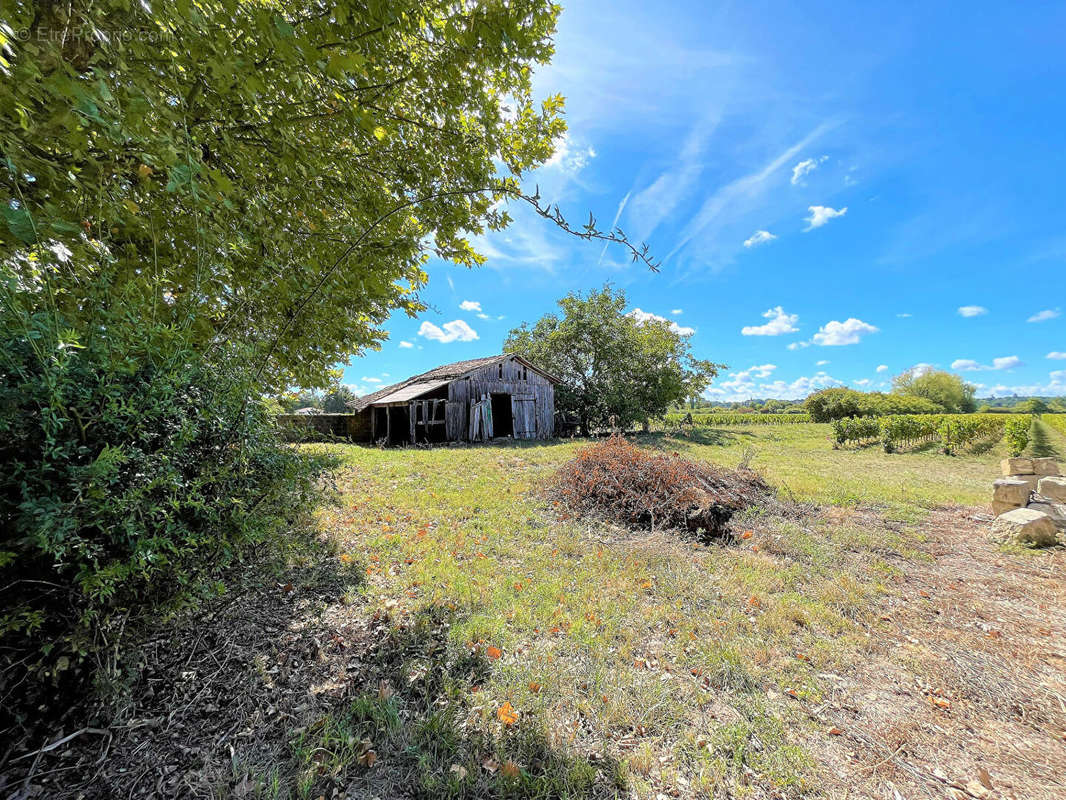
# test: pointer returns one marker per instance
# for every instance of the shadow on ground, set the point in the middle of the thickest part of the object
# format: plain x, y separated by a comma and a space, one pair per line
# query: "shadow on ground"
291, 687
1040, 445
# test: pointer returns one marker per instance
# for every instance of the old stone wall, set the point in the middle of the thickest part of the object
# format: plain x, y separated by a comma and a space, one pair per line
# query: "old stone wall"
1029, 501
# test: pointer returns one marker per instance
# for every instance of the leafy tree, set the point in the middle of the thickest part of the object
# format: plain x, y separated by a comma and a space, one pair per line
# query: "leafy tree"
1034, 405
836, 403
950, 392
611, 363
202, 203
226, 166
337, 399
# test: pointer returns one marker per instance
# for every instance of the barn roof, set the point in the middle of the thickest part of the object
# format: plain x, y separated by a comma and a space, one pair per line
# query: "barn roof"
420, 384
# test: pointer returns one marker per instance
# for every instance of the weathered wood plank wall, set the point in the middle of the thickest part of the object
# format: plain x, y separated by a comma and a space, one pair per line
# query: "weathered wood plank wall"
508, 377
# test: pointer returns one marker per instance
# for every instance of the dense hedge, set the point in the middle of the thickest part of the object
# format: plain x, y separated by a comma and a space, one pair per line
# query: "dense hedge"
128, 481
840, 403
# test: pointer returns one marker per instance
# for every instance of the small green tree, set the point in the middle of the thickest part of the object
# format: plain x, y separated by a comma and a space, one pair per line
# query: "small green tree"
612, 364
948, 391
837, 403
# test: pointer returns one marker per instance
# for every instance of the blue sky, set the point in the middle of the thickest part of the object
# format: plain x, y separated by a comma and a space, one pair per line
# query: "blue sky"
838, 192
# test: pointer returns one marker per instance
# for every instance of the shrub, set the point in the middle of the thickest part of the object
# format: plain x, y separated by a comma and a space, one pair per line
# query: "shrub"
620, 482
134, 472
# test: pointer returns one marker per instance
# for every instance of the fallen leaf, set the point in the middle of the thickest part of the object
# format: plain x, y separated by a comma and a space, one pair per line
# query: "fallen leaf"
747, 534
458, 770
835, 731
534, 687
507, 714
493, 652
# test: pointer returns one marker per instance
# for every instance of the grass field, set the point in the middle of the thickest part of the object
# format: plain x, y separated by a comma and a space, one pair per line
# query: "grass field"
457, 636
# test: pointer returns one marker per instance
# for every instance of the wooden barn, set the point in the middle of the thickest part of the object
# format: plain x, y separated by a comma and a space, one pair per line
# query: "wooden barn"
474, 400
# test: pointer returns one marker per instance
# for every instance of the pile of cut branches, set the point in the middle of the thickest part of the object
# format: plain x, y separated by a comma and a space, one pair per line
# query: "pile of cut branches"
619, 482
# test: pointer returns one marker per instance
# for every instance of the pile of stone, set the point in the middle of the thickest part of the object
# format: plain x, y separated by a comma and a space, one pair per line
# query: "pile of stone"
1030, 502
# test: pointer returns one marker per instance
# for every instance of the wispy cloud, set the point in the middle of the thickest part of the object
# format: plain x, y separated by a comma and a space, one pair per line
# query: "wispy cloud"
405, 344
614, 222
759, 237
882, 368
780, 322
677, 311
806, 167
972, 311
1055, 354
455, 331
738, 194
821, 215
1046, 314
470, 305
657, 201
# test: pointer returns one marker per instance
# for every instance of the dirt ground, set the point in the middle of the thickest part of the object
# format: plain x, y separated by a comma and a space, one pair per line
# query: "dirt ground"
966, 695
962, 694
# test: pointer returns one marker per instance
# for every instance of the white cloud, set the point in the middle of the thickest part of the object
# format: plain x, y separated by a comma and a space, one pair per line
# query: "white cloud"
762, 370
835, 333
969, 365
904, 315
568, 157
1056, 385
759, 237
644, 316
677, 311
1056, 355
921, 368
470, 305
365, 379
882, 368
780, 322
455, 331
972, 311
821, 215
863, 382
798, 345
804, 168
1043, 316
483, 316
405, 344
821, 363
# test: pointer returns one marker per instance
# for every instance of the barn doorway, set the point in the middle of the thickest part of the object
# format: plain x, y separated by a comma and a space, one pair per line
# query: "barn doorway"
502, 418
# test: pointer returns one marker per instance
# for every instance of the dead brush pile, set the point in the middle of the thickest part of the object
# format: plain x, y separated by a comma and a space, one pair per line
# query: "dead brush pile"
619, 482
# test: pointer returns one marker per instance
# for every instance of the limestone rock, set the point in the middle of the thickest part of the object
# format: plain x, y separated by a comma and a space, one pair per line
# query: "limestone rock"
1026, 526
1045, 466
1011, 490
1030, 480
1056, 511
999, 507
1053, 488
1016, 466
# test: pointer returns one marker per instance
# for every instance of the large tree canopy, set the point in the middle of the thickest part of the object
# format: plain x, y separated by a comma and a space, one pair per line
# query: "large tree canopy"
260, 171
611, 363
950, 392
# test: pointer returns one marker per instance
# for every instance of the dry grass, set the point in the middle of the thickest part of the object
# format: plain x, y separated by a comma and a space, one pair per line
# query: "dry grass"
455, 638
